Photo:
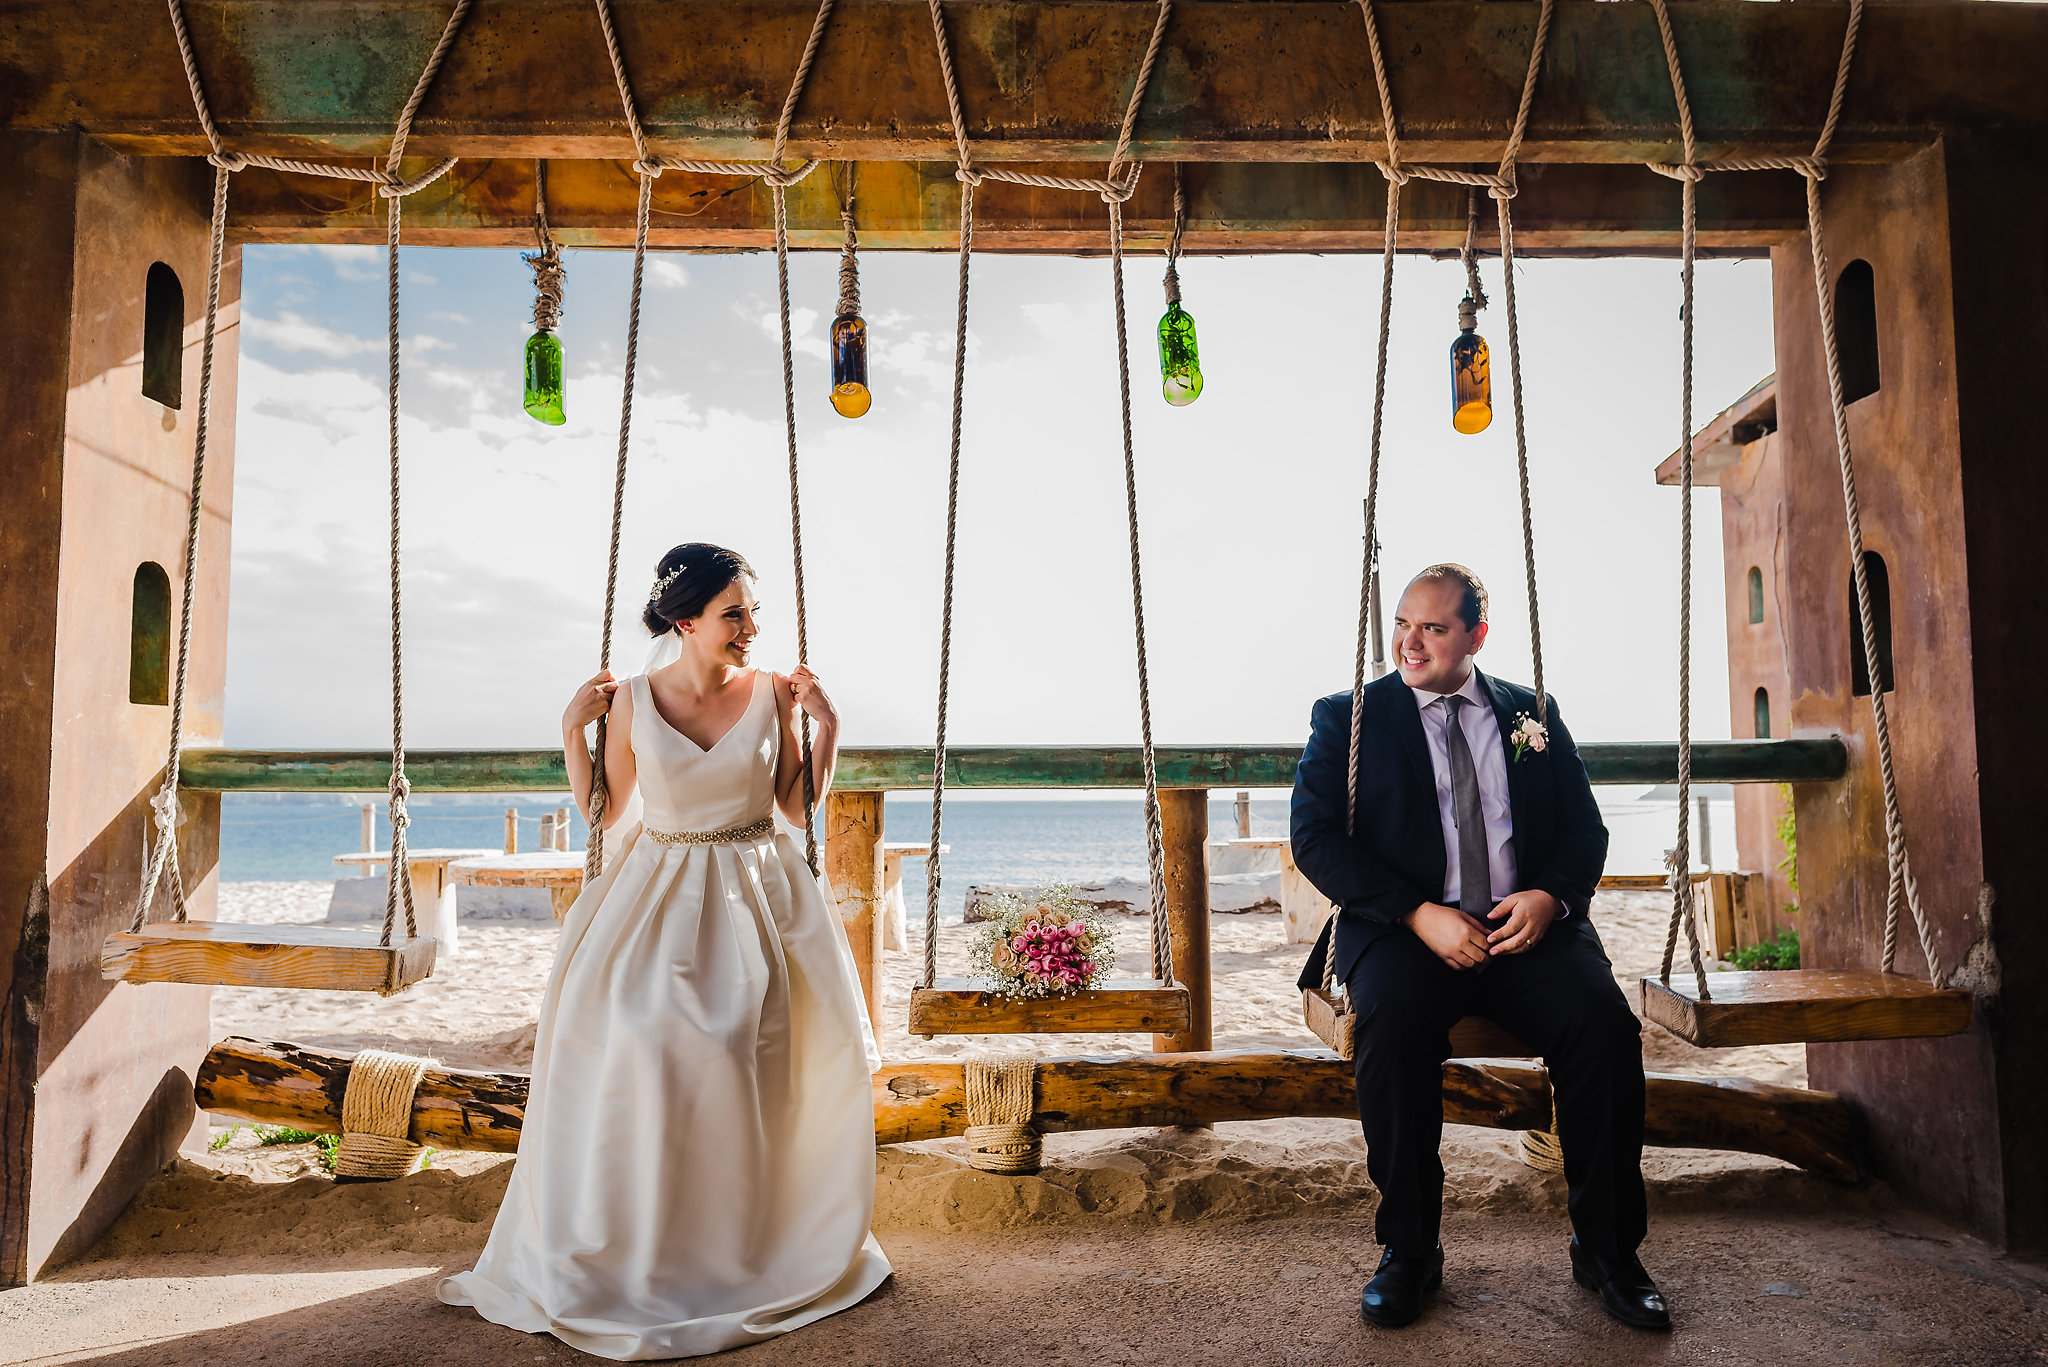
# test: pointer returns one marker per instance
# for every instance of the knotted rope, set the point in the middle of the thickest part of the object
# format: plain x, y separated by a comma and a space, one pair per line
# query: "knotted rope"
1108, 186
1541, 1149
1501, 186
849, 255
1180, 227
546, 263
1000, 1104
376, 1115
1114, 192
393, 188
648, 167
1902, 888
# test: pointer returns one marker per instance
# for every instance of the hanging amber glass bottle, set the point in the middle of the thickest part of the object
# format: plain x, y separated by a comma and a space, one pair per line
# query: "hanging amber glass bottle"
1471, 382
850, 394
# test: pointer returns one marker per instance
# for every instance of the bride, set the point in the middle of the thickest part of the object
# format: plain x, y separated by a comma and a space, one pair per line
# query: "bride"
696, 1168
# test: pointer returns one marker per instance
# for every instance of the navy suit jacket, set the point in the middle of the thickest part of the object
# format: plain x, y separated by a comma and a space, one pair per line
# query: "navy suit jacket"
1394, 860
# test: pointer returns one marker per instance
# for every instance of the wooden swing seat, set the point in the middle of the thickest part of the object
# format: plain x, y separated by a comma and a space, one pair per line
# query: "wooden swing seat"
216, 954
966, 1006
1804, 1006
1473, 1037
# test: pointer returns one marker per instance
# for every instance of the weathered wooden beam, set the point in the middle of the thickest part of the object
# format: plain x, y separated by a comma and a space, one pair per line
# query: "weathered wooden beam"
1041, 80
909, 767
289, 1084
1233, 207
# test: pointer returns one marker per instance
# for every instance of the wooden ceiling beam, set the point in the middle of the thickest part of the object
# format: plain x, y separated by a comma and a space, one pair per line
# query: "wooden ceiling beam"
1043, 80
1233, 207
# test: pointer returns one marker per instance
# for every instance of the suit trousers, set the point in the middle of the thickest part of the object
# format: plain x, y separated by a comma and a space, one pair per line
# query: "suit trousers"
1561, 1000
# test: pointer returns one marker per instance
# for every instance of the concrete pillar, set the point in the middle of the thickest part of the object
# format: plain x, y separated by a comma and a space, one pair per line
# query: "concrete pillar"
96, 1077
1952, 480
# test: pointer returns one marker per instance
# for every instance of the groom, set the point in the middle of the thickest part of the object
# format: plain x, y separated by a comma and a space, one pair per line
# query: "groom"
1462, 889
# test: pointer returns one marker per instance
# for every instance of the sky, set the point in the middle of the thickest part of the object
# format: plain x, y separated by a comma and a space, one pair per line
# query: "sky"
1249, 498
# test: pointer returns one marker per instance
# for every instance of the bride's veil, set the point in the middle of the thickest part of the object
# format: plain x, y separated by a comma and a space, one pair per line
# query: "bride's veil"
668, 648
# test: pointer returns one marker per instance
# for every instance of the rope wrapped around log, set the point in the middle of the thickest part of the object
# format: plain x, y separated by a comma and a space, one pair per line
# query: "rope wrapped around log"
1000, 1100
376, 1115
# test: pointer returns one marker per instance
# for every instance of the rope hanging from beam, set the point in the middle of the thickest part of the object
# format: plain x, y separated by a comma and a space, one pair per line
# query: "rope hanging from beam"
1902, 889
393, 188
778, 178
1501, 185
1114, 192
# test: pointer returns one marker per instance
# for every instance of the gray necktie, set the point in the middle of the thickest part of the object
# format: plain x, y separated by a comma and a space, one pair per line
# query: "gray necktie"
1475, 883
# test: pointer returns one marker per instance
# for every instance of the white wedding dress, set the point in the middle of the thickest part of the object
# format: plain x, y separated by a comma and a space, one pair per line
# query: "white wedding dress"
697, 1165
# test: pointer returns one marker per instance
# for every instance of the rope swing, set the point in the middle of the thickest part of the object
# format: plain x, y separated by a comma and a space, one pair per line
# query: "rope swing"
1501, 186
393, 188
778, 177
1902, 888
1114, 192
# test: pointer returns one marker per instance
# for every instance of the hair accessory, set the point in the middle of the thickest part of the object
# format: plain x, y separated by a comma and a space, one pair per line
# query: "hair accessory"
661, 584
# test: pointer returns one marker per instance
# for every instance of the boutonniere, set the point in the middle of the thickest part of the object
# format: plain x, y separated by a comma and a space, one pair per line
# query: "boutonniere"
1529, 734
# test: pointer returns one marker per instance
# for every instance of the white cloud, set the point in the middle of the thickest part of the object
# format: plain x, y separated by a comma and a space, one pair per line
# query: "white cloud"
667, 274
290, 332
353, 262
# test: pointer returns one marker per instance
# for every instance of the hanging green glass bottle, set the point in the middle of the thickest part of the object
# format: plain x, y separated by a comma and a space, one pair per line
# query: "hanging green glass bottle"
1471, 380
1180, 361
544, 389
544, 379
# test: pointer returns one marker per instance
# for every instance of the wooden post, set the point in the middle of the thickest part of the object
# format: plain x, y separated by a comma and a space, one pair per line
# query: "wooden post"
853, 863
511, 830
1184, 819
562, 828
369, 832
1244, 816
547, 831
1706, 835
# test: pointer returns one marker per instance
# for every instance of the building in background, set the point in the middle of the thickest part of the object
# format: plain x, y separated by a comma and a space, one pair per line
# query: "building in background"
1740, 453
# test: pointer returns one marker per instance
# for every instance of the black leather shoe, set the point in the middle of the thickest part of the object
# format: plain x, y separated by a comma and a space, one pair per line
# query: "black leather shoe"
1625, 1289
1394, 1295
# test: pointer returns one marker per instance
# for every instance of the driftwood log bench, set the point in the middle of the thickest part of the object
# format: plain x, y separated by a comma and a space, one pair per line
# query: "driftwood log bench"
290, 1084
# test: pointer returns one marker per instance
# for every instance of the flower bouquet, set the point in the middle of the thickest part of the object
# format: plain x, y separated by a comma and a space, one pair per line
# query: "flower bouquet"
1043, 945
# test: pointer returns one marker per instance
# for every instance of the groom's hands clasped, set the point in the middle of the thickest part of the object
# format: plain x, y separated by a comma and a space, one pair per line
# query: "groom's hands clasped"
1525, 918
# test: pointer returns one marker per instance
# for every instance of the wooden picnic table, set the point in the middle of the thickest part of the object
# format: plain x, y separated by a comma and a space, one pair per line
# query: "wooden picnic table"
433, 891
1302, 909
559, 871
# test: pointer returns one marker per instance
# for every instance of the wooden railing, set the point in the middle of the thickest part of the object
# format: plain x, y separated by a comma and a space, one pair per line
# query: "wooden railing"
896, 768
852, 818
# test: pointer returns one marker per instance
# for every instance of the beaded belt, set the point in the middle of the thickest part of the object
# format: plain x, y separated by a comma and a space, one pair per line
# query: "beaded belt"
731, 835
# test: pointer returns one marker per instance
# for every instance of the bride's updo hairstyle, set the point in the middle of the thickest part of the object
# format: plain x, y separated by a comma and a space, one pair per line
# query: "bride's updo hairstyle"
687, 579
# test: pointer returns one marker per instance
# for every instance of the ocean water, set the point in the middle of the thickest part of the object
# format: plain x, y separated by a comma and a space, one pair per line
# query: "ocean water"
990, 838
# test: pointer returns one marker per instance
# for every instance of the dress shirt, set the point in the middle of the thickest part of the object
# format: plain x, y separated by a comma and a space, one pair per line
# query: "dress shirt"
1489, 762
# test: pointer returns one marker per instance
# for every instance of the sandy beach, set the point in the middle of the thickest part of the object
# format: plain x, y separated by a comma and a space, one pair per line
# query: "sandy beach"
1245, 1244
